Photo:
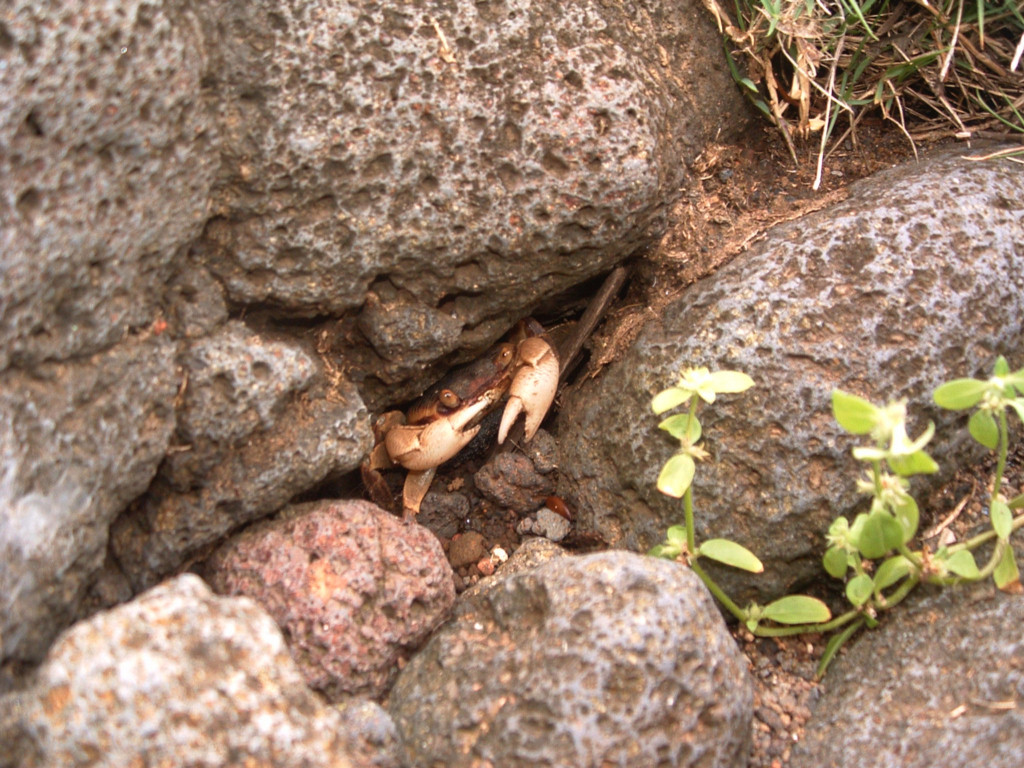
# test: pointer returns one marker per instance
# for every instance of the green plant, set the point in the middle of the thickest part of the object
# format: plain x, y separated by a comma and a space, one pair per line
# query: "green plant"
873, 554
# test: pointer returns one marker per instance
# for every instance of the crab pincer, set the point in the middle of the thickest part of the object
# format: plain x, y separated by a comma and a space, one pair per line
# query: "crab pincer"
533, 387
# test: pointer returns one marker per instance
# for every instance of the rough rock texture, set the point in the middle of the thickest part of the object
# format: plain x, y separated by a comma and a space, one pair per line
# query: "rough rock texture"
608, 659
78, 441
256, 427
179, 676
940, 683
462, 159
371, 737
105, 156
106, 167
882, 296
510, 480
354, 588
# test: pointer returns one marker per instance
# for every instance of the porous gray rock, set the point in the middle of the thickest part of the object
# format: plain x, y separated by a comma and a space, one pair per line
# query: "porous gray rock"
257, 425
939, 683
884, 295
354, 588
607, 659
78, 441
106, 166
105, 153
460, 160
177, 676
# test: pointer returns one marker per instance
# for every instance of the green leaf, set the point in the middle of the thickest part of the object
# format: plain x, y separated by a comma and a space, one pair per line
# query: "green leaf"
959, 394
962, 564
727, 382
908, 516
676, 475
1006, 576
917, 463
891, 571
984, 429
1002, 519
660, 550
676, 535
879, 533
1018, 405
1001, 367
731, 553
668, 399
797, 609
854, 414
835, 562
1016, 502
682, 426
859, 589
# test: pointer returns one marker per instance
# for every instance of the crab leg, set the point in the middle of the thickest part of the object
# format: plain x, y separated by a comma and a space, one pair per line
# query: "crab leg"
416, 486
533, 388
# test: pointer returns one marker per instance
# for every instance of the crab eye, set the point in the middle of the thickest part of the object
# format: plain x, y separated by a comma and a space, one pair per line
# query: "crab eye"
449, 399
505, 354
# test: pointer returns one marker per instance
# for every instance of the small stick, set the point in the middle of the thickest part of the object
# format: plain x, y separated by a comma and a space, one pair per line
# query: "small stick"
591, 317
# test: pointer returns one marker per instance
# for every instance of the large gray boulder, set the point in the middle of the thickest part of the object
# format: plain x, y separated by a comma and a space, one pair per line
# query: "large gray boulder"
107, 159
939, 683
915, 279
460, 160
106, 166
178, 676
607, 659
78, 441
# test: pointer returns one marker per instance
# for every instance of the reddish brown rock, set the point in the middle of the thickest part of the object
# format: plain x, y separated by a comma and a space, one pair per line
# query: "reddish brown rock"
352, 587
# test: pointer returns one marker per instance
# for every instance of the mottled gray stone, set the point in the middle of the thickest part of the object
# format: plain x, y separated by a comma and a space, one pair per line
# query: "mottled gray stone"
203, 495
915, 279
105, 153
461, 159
78, 441
354, 588
608, 659
178, 676
370, 734
895, 698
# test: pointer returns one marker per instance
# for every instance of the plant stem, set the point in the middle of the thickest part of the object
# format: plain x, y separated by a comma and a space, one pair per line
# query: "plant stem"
717, 591
993, 561
691, 535
981, 538
1004, 439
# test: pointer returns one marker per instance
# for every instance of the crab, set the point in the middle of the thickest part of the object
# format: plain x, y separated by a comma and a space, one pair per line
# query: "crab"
444, 421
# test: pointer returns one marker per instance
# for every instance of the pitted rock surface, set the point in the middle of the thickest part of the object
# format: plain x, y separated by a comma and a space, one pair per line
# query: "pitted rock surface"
107, 162
461, 159
354, 588
941, 682
884, 296
78, 441
257, 426
178, 676
608, 659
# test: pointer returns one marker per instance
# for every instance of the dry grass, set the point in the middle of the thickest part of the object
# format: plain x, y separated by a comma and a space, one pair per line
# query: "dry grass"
934, 69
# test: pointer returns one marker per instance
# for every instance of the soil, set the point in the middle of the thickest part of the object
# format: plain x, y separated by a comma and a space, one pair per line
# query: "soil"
740, 192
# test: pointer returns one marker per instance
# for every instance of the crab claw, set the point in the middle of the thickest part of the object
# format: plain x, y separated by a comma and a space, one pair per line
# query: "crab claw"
428, 446
533, 387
